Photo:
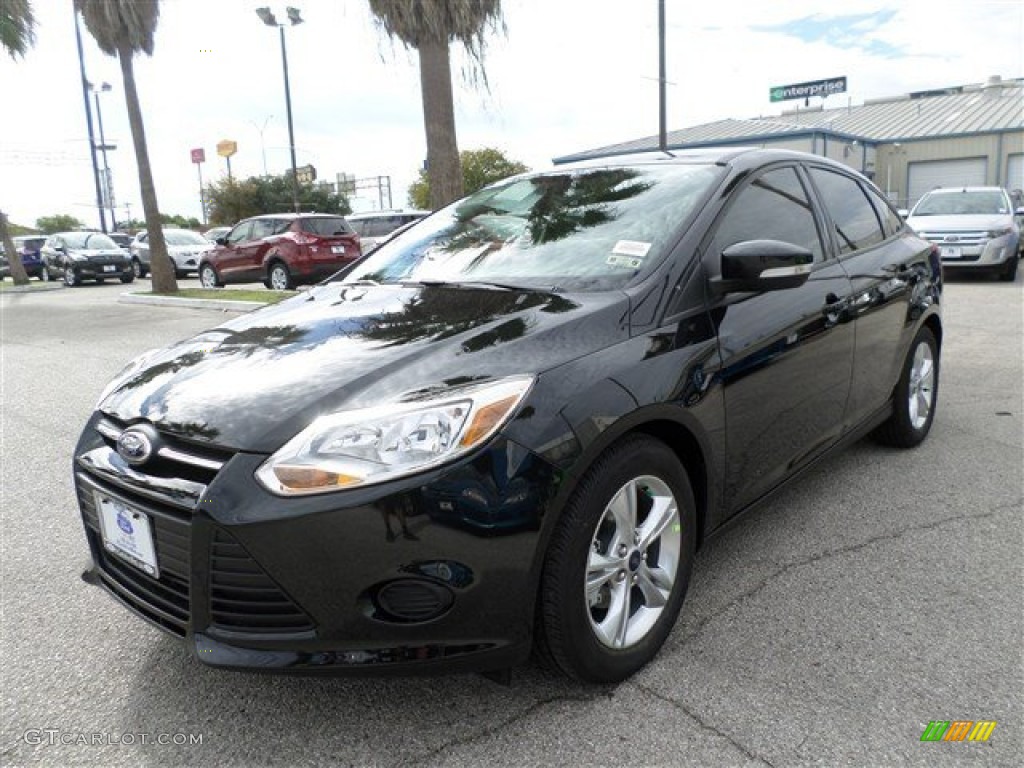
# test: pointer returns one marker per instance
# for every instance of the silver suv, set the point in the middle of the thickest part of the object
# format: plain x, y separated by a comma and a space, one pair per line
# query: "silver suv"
973, 227
377, 226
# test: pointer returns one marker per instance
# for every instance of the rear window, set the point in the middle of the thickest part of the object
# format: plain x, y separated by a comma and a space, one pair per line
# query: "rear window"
325, 226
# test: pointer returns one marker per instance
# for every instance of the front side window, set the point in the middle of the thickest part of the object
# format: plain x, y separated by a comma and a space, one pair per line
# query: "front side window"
587, 230
240, 233
774, 206
853, 216
891, 222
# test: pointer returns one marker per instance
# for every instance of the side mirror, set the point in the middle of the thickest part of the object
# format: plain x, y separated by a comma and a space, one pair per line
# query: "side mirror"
1019, 212
221, 241
903, 212
763, 265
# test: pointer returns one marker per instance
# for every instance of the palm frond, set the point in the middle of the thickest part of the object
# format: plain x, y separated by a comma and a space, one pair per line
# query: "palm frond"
17, 27
467, 22
114, 23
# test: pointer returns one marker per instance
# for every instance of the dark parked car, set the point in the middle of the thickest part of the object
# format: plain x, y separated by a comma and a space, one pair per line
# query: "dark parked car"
512, 426
77, 256
28, 246
281, 250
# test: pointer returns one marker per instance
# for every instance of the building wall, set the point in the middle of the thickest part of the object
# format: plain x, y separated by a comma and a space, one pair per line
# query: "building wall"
892, 173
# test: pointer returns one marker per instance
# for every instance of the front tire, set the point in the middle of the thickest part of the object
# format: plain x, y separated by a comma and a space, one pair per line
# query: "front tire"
44, 274
128, 278
208, 277
138, 269
70, 278
618, 566
1009, 271
916, 395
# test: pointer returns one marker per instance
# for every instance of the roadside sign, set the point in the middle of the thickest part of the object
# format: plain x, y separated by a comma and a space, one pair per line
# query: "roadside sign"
306, 174
227, 148
198, 155
808, 89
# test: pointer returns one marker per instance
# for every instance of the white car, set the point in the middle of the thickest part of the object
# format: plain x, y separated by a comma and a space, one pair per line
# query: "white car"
375, 227
184, 246
973, 227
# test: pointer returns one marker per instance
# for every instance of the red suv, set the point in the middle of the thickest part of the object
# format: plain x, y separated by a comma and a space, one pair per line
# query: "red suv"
282, 250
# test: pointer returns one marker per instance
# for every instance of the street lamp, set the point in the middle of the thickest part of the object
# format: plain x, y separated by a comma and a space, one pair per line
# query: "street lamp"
271, 21
263, 146
108, 183
88, 122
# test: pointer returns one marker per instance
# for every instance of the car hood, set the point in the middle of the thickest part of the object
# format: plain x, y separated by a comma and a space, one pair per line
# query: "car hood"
254, 382
91, 252
960, 222
196, 248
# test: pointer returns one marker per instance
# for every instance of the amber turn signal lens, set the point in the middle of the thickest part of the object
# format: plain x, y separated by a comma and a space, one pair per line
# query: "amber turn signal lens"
485, 420
304, 478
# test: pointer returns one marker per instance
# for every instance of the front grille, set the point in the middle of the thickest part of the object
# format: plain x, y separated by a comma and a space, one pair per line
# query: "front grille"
164, 601
961, 239
244, 598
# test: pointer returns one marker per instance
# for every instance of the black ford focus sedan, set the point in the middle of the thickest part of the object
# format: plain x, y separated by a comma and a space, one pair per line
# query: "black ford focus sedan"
510, 428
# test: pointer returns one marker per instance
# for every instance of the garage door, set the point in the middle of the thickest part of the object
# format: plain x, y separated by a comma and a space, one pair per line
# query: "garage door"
1015, 172
945, 173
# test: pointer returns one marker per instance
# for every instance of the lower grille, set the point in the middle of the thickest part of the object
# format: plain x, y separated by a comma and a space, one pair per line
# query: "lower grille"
243, 597
164, 601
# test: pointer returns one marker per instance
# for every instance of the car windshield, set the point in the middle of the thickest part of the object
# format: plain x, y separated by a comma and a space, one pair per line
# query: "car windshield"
326, 226
584, 230
89, 240
988, 201
185, 238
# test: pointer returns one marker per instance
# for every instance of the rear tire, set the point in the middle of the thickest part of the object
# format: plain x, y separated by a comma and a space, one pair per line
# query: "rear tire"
278, 277
618, 565
916, 395
129, 278
138, 269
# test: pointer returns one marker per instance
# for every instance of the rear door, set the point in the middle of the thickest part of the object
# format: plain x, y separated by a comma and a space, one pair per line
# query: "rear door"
884, 263
787, 355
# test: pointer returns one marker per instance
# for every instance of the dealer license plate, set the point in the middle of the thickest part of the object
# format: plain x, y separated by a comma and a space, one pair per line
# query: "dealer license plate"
337, 249
109, 267
950, 252
127, 533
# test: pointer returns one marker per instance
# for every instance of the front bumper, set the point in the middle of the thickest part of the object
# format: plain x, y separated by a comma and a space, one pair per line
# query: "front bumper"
979, 254
435, 573
91, 270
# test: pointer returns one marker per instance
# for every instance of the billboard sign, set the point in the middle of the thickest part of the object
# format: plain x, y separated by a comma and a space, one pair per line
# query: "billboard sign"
198, 155
806, 90
227, 148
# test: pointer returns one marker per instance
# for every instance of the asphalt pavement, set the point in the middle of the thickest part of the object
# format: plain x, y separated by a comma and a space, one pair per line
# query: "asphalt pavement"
881, 592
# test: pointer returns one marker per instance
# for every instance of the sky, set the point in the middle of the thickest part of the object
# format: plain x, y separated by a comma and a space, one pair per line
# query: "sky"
567, 75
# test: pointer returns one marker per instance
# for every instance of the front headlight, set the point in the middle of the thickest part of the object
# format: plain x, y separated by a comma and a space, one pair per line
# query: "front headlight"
994, 233
371, 445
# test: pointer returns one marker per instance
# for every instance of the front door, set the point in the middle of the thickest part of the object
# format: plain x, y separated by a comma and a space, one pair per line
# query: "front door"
787, 355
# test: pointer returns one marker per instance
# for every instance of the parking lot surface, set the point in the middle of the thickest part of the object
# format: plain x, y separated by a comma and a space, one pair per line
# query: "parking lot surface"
880, 592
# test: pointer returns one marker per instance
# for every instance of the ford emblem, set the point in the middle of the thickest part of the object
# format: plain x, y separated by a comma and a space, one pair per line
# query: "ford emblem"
134, 446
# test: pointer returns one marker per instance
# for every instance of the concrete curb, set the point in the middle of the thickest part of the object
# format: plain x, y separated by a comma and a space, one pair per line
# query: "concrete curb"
33, 288
174, 301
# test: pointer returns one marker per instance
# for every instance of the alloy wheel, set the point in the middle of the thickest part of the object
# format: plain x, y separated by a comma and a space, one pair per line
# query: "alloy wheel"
633, 562
922, 386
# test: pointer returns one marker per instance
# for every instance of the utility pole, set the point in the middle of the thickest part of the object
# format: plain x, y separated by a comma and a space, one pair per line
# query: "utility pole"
88, 120
662, 114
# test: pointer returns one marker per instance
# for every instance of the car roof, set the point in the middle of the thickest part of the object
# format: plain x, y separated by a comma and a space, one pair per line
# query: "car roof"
950, 190
295, 216
381, 214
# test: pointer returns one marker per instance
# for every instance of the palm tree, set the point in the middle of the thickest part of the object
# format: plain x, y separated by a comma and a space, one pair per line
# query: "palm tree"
122, 28
17, 34
429, 26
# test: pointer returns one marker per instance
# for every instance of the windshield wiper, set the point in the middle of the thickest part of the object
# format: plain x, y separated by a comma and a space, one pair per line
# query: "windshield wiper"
481, 284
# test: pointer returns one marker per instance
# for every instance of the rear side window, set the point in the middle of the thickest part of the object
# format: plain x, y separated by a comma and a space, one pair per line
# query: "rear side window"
774, 206
326, 226
891, 222
854, 218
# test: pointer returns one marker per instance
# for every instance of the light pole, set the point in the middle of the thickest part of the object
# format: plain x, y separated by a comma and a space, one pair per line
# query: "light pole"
88, 121
270, 20
263, 147
108, 183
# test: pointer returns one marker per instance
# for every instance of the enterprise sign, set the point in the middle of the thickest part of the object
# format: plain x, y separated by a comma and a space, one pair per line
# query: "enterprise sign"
806, 90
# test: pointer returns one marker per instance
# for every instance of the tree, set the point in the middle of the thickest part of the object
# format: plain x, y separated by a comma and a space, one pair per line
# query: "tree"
229, 201
123, 28
429, 26
480, 167
17, 35
59, 222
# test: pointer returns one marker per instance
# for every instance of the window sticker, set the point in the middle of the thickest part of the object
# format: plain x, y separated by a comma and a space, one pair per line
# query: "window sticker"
631, 248
628, 262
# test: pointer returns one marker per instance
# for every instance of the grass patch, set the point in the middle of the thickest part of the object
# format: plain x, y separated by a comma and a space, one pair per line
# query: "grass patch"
227, 294
7, 285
